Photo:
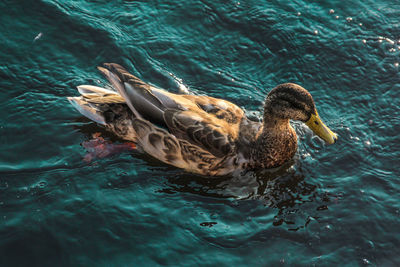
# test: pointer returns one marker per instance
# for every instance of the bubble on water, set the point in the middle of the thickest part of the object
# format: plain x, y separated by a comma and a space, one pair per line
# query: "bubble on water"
360, 24
316, 32
349, 19
396, 64
328, 227
392, 50
364, 41
337, 17
370, 122
298, 14
331, 11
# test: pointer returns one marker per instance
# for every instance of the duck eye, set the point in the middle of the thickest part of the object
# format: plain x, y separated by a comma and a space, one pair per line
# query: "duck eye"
316, 122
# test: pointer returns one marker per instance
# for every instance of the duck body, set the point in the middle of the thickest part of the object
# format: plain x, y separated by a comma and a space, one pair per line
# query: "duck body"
200, 134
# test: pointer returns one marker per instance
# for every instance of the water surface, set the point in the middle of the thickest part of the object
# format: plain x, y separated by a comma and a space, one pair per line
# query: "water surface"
336, 205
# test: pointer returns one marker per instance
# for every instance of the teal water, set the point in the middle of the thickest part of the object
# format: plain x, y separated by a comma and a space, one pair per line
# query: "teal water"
337, 205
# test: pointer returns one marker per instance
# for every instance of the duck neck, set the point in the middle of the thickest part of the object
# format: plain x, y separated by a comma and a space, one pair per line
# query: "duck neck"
275, 118
274, 124
276, 144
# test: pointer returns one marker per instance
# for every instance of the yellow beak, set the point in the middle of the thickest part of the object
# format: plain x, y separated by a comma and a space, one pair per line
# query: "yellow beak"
319, 128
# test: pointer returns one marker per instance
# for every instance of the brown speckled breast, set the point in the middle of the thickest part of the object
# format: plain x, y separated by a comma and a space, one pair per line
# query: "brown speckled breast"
274, 148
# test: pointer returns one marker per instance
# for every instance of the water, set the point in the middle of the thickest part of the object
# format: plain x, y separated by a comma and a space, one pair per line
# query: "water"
337, 205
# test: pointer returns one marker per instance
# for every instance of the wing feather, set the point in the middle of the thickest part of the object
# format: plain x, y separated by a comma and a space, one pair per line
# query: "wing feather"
171, 150
203, 130
209, 123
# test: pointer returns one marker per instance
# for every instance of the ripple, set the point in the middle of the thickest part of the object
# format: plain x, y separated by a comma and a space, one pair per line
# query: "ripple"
330, 204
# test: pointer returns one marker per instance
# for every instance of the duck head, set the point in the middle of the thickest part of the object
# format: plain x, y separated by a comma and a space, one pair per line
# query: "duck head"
291, 101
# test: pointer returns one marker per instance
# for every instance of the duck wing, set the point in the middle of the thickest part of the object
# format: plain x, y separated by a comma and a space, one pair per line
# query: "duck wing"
213, 135
210, 123
137, 94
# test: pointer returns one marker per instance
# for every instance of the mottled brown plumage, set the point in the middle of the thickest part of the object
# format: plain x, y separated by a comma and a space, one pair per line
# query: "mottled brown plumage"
201, 134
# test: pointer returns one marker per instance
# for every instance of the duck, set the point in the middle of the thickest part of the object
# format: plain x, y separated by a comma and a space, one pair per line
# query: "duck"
198, 133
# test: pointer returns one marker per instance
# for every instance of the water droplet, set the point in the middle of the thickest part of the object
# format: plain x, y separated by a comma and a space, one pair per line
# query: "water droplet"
392, 50
396, 64
316, 32
360, 24
331, 11
390, 41
298, 14
367, 143
364, 41
183, 89
365, 261
336, 17
349, 19
38, 37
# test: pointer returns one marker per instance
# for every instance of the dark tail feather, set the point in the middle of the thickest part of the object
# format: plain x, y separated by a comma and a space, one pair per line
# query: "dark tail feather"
137, 94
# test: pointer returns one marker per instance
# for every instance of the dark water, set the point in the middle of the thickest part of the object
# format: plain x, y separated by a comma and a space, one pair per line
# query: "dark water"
337, 205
